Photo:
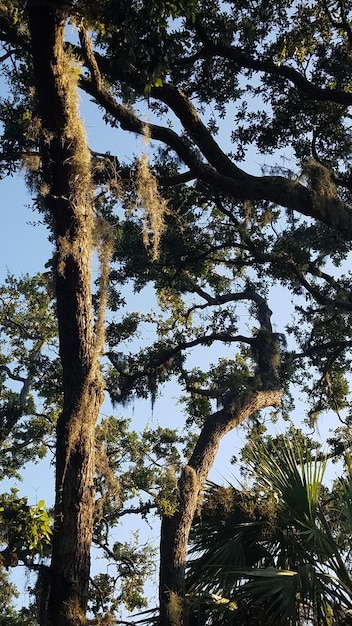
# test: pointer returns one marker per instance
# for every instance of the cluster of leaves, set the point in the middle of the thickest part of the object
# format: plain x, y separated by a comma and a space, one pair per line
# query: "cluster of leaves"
9, 614
275, 552
134, 465
136, 476
131, 564
29, 376
25, 530
208, 259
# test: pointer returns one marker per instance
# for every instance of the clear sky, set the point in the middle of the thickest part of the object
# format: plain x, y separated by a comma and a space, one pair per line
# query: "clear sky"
24, 247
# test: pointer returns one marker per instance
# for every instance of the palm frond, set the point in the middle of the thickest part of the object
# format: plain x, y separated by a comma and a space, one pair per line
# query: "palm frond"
282, 569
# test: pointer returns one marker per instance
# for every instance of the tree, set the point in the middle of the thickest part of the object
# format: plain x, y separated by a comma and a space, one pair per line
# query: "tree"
65, 163
27, 415
277, 227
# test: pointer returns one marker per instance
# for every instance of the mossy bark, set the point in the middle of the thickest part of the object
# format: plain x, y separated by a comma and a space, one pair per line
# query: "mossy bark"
176, 528
66, 173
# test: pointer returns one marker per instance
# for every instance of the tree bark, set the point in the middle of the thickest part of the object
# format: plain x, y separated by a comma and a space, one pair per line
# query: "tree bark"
67, 188
175, 529
261, 391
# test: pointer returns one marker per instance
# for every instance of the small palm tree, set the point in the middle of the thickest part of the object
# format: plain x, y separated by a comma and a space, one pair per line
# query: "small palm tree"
277, 554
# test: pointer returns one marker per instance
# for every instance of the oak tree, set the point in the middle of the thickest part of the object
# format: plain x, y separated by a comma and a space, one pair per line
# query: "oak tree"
219, 235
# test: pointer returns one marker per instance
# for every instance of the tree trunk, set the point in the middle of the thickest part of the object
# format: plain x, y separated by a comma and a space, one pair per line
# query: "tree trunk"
67, 195
263, 390
175, 529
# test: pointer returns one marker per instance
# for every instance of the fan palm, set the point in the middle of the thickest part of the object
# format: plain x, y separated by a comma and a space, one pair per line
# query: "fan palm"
277, 554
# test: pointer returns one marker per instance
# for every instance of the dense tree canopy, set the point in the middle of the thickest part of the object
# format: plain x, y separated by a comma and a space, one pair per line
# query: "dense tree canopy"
212, 88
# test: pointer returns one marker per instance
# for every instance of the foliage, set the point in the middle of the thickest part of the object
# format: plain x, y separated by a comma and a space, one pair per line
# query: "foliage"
25, 530
125, 587
274, 552
219, 84
29, 379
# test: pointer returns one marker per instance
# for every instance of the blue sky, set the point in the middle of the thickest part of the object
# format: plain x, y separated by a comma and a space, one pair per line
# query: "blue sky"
24, 247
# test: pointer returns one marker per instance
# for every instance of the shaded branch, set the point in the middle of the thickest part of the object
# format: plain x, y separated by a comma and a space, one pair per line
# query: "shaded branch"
343, 302
115, 557
7, 55
6, 369
343, 24
178, 179
167, 356
279, 190
143, 508
226, 419
10, 34
323, 347
236, 54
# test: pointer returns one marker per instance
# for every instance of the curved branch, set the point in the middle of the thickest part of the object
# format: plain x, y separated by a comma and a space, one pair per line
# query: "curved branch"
236, 54
35, 353
6, 369
129, 121
220, 172
168, 355
182, 107
279, 190
175, 529
344, 305
113, 555
178, 179
142, 509
345, 298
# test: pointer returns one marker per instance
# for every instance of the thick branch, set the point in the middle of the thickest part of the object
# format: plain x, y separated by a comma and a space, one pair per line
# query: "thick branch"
175, 529
279, 190
225, 420
220, 172
183, 108
178, 179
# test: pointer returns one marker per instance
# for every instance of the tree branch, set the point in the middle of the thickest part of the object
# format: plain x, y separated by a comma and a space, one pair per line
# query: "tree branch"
168, 355
236, 54
178, 179
6, 369
323, 347
279, 190
220, 172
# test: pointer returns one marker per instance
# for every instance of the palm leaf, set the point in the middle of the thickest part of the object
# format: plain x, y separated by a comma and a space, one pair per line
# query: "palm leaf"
310, 579
292, 474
